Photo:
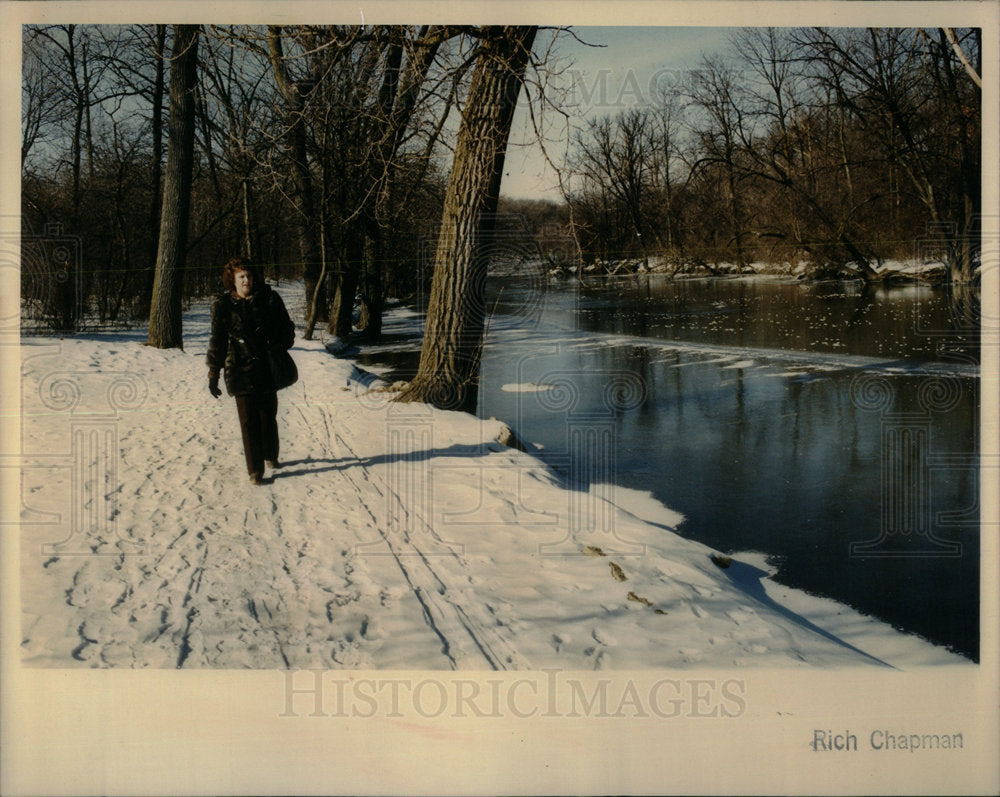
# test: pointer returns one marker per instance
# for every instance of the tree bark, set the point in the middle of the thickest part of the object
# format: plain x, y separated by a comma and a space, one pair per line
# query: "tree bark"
248, 250
372, 299
346, 286
448, 374
156, 167
960, 54
165, 309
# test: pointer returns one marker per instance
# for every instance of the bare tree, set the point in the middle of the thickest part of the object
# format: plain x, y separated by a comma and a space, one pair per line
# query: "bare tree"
238, 125
165, 311
397, 102
614, 156
666, 149
40, 107
72, 80
904, 90
962, 118
306, 218
448, 374
972, 70
718, 93
367, 86
793, 147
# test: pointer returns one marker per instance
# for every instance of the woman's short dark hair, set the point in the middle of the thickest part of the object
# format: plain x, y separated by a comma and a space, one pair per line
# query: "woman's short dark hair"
229, 272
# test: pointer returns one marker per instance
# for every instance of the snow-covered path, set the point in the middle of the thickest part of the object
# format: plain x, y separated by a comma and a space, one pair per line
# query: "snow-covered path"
395, 536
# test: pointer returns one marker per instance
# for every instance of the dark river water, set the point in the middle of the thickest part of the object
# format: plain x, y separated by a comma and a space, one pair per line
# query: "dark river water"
830, 426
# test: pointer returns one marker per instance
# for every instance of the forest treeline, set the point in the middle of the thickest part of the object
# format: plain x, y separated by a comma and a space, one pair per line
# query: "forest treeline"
324, 152
316, 152
828, 147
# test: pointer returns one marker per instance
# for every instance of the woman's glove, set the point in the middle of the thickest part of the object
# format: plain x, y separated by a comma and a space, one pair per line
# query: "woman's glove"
213, 383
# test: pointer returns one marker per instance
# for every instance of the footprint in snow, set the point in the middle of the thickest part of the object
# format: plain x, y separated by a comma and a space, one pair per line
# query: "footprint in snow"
740, 616
602, 637
371, 630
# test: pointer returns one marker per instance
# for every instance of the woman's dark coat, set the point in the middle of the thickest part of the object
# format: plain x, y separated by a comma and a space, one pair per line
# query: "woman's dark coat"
243, 330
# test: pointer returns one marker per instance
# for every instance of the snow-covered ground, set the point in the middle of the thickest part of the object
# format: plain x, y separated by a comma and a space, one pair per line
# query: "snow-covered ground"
395, 536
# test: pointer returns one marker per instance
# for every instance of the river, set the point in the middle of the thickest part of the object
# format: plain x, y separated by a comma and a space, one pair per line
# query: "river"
831, 426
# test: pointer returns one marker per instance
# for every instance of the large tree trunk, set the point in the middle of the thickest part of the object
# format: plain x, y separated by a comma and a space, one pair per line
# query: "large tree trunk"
165, 309
306, 220
346, 286
448, 375
156, 167
372, 299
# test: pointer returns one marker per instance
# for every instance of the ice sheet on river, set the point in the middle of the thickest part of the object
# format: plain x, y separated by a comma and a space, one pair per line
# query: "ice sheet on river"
543, 340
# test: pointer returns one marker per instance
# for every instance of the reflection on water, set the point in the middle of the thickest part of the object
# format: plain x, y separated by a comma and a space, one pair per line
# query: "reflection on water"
831, 426
915, 321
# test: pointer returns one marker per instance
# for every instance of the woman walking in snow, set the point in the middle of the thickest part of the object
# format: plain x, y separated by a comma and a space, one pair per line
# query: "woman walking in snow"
250, 337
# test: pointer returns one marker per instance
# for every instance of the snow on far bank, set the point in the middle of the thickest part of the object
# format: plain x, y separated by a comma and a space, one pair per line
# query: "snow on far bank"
395, 536
527, 387
928, 269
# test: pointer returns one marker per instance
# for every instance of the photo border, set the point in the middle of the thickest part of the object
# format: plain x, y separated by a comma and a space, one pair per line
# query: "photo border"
222, 732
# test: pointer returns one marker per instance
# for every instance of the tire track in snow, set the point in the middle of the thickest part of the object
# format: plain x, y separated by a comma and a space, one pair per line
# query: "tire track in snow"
454, 624
193, 586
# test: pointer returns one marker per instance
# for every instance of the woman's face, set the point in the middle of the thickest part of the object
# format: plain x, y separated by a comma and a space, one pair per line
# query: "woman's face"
243, 283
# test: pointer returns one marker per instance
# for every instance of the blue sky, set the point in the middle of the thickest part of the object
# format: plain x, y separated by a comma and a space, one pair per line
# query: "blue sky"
602, 80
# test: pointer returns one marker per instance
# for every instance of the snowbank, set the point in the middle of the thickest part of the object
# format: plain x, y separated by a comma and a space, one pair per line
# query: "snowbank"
395, 536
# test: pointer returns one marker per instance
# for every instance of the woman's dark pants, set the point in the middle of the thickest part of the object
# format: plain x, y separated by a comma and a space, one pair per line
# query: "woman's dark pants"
259, 424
